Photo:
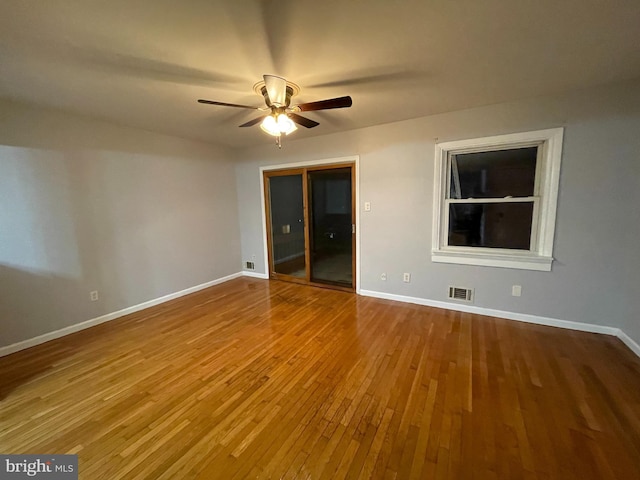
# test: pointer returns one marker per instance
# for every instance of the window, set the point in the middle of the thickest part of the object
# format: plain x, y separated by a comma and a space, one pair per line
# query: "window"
495, 200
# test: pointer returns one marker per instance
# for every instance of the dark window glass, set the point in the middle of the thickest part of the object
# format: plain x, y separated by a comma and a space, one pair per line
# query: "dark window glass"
495, 174
492, 225
331, 238
287, 225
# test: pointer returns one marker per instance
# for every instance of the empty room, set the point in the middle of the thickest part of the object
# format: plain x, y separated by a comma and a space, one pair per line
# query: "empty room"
319, 240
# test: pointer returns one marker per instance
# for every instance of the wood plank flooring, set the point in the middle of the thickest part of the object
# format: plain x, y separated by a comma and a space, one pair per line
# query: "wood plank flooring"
264, 379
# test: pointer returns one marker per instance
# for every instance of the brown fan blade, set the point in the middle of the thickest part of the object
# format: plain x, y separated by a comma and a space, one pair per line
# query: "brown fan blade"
222, 104
340, 102
251, 123
300, 120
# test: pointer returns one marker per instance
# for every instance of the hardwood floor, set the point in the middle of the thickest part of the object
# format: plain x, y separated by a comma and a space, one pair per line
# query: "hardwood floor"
264, 379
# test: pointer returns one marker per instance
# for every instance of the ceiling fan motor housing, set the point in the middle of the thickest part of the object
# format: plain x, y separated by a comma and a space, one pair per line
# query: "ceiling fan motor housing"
289, 94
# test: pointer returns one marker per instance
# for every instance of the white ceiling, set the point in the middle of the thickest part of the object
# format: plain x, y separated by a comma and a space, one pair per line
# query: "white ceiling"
144, 63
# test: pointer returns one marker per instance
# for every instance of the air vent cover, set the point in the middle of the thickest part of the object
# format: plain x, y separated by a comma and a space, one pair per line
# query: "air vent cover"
461, 293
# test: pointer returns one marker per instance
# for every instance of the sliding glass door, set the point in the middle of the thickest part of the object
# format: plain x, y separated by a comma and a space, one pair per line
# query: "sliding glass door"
310, 225
286, 215
331, 232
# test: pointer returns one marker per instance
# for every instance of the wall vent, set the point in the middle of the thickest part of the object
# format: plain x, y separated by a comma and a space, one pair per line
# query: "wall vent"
250, 266
461, 293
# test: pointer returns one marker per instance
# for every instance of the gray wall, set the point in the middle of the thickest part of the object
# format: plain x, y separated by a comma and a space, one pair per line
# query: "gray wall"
596, 272
86, 205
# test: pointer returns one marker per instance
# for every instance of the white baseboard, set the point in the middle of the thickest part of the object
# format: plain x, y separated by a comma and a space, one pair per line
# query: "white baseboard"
264, 276
629, 342
31, 342
521, 317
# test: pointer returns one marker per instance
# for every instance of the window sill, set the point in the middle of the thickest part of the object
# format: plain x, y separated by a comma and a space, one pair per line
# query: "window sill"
518, 261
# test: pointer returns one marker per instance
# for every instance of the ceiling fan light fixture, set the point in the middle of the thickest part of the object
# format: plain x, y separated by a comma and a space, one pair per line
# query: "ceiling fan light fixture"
286, 125
277, 125
270, 125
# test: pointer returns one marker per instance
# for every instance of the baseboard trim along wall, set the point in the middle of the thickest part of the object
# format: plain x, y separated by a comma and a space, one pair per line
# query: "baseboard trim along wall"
264, 276
32, 342
629, 342
521, 317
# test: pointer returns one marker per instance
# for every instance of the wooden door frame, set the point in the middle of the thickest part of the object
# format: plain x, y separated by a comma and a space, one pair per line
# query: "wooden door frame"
352, 161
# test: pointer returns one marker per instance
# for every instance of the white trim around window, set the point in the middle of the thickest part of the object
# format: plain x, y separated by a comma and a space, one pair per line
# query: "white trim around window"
540, 254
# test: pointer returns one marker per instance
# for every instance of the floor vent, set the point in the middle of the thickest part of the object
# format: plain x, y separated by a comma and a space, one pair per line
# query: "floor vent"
461, 293
250, 266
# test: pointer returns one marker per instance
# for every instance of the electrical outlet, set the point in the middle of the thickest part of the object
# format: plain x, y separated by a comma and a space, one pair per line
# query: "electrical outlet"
383, 277
516, 290
406, 277
94, 296
367, 206
250, 266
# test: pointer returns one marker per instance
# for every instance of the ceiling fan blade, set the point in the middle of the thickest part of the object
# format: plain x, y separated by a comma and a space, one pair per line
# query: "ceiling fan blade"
253, 122
222, 104
276, 90
340, 102
300, 120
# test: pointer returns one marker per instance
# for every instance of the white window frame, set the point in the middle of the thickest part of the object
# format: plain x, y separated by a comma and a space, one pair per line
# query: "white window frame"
545, 199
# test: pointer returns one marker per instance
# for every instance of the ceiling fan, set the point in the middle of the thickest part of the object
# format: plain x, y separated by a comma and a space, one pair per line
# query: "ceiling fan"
282, 117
